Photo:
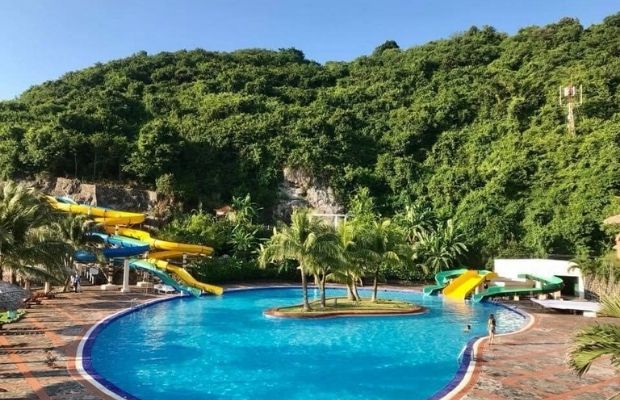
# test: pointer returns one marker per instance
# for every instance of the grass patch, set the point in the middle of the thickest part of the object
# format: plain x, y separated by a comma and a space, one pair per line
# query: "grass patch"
340, 306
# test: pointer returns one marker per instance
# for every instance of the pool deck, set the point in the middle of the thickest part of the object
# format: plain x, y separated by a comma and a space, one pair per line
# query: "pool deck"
527, 365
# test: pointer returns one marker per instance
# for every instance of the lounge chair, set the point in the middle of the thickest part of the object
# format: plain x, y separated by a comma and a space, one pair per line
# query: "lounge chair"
161, 288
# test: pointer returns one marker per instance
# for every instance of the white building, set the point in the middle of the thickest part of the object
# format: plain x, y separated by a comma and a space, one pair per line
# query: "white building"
567, 270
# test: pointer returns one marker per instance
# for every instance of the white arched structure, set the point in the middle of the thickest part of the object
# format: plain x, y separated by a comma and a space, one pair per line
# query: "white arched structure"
512, 268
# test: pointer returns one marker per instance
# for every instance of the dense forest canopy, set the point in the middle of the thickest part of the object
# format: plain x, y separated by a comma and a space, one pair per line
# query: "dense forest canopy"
470, 126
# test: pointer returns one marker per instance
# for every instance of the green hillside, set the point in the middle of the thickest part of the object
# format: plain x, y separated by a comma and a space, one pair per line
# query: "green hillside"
469, 125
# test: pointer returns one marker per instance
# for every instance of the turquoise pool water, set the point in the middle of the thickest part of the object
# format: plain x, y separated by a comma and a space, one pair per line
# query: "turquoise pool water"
225, 348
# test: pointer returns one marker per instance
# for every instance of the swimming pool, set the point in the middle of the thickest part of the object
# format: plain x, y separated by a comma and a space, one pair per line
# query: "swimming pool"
225, 348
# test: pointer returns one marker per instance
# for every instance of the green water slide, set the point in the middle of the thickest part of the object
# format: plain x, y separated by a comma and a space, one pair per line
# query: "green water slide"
442, 278
548, 284
164, 277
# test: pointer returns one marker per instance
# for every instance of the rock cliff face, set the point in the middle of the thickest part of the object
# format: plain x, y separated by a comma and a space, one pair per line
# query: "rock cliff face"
111, 196
299, 189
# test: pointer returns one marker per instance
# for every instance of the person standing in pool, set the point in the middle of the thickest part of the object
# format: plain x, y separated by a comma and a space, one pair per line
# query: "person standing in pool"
491, 325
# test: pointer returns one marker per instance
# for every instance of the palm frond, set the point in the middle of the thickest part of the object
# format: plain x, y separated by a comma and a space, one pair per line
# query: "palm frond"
593, 342
610, 305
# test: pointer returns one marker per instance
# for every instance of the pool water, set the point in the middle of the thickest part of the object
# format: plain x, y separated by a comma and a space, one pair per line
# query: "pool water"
225, 348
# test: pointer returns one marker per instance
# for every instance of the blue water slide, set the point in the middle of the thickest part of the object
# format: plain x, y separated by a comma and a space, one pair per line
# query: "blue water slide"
65, 199
125, 247
113, 252
125, 241
84, 256
117, 240
116, 252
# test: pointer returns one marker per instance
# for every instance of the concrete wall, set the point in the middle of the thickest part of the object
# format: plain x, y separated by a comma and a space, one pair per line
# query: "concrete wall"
511, 268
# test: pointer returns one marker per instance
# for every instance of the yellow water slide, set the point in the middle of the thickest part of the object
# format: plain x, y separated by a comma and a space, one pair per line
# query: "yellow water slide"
160, 244
99, 214
185, 276
462, 286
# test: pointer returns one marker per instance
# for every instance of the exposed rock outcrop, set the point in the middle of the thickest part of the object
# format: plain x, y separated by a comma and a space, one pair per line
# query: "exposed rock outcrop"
111, 196
300, 189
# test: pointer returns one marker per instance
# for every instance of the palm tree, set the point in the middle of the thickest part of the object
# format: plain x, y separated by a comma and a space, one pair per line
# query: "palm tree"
306, 241
72, 229
28, 244
326, 261
385, 244
439, 249
41, 255
597, 340
350, 271
415, 220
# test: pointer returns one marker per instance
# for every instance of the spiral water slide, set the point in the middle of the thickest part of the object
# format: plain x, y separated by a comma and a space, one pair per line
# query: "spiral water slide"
128, 241
169, 250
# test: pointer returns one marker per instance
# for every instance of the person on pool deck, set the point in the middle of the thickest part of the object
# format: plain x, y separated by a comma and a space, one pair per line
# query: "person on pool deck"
75, 281
491, 325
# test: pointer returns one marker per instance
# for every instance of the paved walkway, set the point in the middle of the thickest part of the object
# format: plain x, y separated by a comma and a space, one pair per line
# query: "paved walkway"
532, 365
528, 365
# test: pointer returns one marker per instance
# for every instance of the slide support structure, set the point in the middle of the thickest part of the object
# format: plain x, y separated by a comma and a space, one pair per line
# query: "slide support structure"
125, 288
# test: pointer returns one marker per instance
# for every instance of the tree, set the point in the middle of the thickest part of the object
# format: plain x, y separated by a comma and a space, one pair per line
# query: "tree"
385, 242
28, 243
469, 125
350, 270
72, 230
327, 260
598, 340
388, 44
307, 240
244, 229
438, 249
158, 146
414, 220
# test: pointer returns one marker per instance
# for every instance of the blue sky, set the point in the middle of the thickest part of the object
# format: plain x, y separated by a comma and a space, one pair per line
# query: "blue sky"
43, 39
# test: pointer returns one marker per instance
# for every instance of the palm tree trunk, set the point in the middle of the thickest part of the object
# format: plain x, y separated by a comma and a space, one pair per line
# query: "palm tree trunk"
356, 295
374, 286
304, 288
68, 267
65, 287
322, 285
350, 293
